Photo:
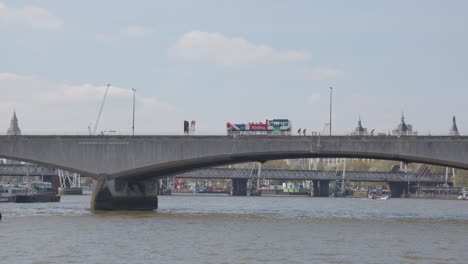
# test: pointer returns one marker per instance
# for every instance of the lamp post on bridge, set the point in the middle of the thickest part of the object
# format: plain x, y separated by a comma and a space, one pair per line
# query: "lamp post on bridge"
331, 97
133, 120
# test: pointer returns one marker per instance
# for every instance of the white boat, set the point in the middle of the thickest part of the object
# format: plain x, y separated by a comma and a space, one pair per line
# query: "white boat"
464, 195
8, 191
379, 194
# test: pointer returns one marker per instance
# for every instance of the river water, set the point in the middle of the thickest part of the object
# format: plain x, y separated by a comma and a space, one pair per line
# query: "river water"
223, 229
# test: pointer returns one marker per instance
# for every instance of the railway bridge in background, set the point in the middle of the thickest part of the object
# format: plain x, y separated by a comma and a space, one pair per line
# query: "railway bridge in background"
126, 168
399, 182
26, 170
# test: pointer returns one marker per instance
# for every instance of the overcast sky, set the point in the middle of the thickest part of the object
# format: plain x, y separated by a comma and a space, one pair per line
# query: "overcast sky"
238, 61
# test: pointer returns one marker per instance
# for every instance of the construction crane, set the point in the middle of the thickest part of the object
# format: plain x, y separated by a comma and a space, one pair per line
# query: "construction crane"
100, 112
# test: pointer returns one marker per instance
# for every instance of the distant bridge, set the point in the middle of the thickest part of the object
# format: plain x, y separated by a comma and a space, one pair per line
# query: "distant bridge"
26, 170
275, 174
399, 182
271, 174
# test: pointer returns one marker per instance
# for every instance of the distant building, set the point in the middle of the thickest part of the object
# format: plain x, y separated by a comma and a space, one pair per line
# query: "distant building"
454, 129
14, 130
360, 131
404, 129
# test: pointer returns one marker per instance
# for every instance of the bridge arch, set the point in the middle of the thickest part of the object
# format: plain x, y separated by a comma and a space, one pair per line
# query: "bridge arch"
166, 169
49, 165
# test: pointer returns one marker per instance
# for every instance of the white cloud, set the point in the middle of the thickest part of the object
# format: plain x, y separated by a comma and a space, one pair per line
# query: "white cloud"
217, 48
321, 73
104, 38
32, 16
91, 92
45, 106
136, 31
8, 76
314, 98
153, 102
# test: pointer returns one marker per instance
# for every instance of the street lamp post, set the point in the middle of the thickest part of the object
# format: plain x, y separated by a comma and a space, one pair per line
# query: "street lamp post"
331, 97
133, 122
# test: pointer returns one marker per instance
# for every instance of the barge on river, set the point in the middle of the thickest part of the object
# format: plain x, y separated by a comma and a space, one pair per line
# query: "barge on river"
36, 192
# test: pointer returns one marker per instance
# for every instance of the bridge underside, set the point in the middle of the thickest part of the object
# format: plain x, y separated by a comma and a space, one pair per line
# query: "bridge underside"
174, 168
108, 197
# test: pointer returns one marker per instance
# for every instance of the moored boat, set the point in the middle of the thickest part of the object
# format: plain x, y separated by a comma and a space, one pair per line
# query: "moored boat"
9, 191
39, 192
463, 195
379, 194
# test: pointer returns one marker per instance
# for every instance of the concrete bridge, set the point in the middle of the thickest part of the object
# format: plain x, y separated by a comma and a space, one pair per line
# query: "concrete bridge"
126, 168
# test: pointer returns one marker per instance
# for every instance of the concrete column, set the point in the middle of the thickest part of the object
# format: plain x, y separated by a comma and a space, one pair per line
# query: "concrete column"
399, 188
163, 187
118, 194
315, 188
324, 188
158, 187
239, 187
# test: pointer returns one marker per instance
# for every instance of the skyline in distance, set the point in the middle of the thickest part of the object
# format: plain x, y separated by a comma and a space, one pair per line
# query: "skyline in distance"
218, 62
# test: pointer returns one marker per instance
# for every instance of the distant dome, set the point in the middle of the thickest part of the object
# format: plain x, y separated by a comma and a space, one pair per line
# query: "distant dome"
360, 130
404, 129
359, 127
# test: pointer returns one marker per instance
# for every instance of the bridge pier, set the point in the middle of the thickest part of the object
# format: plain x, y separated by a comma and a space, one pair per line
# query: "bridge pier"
321, 188
315, 188
239, 187
124, 195
398, 189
